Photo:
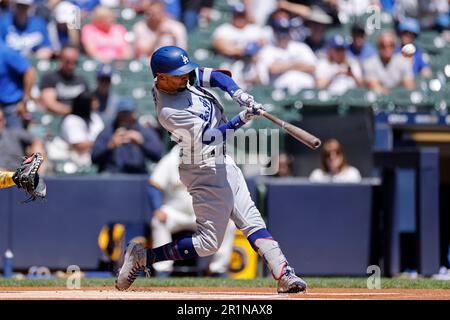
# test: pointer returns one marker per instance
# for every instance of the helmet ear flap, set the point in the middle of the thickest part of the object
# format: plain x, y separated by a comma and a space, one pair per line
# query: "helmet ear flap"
192, 77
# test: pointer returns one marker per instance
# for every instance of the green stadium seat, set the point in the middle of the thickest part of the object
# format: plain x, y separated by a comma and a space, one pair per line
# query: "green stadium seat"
430, 41
411, 100
316, 100
359, 97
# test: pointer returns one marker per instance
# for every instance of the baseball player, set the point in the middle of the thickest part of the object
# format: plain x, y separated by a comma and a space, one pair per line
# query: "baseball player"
195, 120
173, 212
26, 177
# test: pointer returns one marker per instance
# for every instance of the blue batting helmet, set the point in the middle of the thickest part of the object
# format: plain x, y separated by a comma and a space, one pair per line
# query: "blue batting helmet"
171, 60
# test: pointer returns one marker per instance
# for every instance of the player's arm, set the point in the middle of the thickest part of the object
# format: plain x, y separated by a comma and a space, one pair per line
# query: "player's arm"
210, 78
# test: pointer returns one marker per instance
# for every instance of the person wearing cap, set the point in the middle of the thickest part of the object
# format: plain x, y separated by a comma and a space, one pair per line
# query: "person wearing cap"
409, 29
106, 98
241, 41
60, 87
360, 48
317, 23
337, 73
240, 38
25, 33
61, 27
156, 30
125, 146
288, 64
388, 69
80, 128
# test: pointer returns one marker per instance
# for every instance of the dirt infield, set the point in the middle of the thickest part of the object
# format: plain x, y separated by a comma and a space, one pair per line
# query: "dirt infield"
203, 293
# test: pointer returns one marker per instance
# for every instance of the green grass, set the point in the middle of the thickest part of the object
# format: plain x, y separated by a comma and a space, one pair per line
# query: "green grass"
386, 283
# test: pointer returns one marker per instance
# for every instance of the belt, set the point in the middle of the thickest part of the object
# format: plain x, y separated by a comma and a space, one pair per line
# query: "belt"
213, 154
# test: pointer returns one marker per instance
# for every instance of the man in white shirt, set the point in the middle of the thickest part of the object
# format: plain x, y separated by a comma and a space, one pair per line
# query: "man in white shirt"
388, 69
288, 64
241, 41
337, 73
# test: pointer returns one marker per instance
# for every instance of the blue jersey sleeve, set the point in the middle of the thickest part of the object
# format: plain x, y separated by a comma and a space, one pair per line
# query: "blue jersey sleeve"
215, 136
217, 79
42, 28
15, 60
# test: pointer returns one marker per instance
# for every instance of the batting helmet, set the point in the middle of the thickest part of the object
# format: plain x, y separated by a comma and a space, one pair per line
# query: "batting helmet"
171, 60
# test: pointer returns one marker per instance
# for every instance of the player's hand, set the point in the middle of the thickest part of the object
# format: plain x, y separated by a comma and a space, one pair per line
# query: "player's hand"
160, 215
117, 139
244, 99
248, 115
135, 137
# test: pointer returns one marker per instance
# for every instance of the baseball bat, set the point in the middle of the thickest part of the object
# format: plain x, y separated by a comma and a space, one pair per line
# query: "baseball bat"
299, 134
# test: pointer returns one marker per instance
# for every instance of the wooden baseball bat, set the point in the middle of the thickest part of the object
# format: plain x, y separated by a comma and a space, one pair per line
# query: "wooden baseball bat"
299, 134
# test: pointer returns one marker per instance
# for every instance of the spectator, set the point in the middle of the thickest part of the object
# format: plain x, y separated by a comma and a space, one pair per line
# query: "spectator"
103, 39
290, 64
355, 8
304, 8
360, 48
24, 32
409, 29
317, 22
337, 73
81, 127
427, 12
106, 98
259, 11
59, 88
285, 163
194, 12
388, 69
14, 143
241, 41
16, 80
157, 30
124, 146
61, 27
173, 212
334, 166
240, 38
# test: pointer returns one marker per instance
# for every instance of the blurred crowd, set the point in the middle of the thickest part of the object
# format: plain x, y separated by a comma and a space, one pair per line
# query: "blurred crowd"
288, 45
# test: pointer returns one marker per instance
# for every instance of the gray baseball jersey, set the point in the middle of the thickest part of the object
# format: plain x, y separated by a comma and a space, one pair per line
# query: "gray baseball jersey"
217, 186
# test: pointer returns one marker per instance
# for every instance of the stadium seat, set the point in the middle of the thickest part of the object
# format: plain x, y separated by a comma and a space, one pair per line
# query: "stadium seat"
316, 100
430, 41
410, 100
359, 97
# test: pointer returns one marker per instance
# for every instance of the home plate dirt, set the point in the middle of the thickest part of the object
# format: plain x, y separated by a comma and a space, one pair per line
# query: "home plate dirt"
196, 293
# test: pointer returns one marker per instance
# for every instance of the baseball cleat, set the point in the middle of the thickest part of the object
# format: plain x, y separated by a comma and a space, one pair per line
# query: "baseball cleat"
135, 261
290, 283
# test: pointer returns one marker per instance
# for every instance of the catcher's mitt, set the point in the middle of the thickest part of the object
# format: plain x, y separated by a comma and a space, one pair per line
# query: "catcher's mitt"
27, 178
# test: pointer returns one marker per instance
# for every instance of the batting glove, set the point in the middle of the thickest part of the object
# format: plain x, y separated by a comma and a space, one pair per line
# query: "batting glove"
251, 113
244, 99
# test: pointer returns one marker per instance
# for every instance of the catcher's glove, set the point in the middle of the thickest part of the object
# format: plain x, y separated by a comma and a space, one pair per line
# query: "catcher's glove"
27, 178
